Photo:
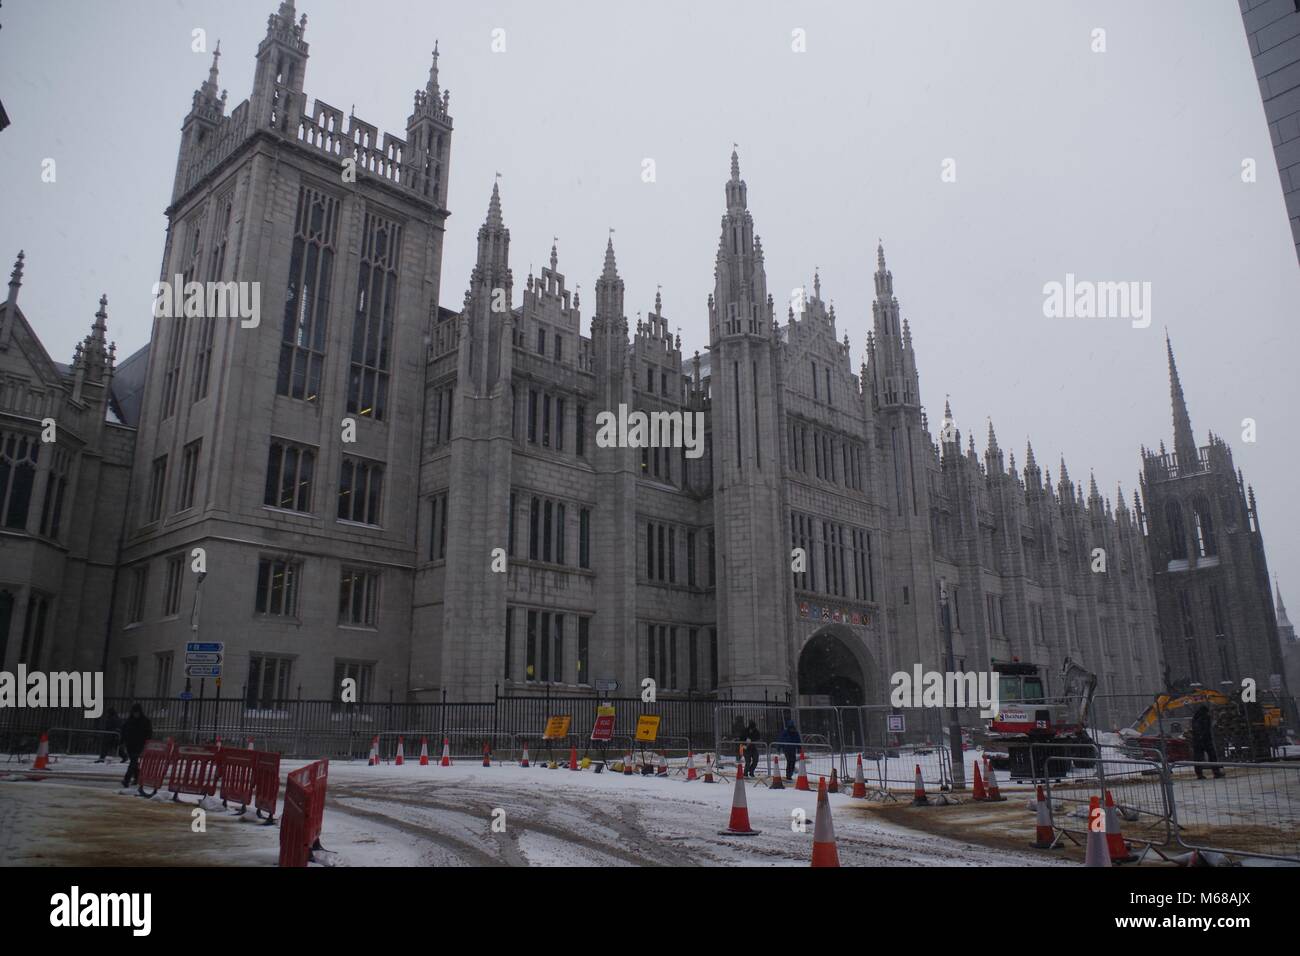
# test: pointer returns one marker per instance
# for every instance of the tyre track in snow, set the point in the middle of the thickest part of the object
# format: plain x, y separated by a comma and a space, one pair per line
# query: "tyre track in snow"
642, 848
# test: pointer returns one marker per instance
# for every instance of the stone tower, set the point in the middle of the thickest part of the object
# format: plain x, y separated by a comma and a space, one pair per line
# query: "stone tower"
752, 551
1215, 606
284, 447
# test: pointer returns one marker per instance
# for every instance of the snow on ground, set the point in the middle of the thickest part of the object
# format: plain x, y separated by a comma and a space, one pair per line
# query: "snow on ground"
436, 816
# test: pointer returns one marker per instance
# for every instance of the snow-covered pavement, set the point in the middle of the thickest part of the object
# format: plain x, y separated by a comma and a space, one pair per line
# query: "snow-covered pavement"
412, 815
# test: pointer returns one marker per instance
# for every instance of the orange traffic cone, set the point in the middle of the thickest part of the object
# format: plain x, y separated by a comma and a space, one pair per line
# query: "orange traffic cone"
740, 762
824, 851
573, 756
919, 798
1044, 834
690, 766
1097, 853
663, 767
739, 823
424, 751
1115, 845
708, 769
991, 781
834, 785
487, 756
978, 793
446, 752
774, 771
374, 752
524, 762
42, 753
801, 780
401, 751
859, 783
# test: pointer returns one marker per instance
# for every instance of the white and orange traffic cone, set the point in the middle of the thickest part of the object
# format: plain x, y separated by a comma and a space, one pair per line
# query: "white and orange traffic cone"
1115, 845
446, 753
524, 761
487, 756
42, 753
662, 771
859, 782
774, 771
978, 793
834, 785
690, 766
824, 850
374, 752
573, 756
627, 765
919, 799
400, 760
1097, 853
1044, 834
739, 822
708, 769
991, 782
424, 751
801, 780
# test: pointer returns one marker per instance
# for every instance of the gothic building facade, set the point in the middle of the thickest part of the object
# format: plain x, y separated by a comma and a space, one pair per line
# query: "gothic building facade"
366, 485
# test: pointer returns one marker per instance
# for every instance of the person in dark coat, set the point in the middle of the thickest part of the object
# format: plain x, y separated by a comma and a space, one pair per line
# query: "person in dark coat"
790, 741
1203, 741
111, 738
136, 729
752, 740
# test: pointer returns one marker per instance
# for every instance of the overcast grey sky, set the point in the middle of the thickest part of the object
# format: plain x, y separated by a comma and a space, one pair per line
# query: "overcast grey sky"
1122, 165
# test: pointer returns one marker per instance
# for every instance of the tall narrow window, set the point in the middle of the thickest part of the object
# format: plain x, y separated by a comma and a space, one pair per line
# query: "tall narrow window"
138, 594
306, 308
56, 486
559, 424
208, 324
189, 475
172, 586
157, 488
290, 470
560, 532
546, 421
372, 323
510, 621
534, 518
713, 574
650, 551
361, 485
532, 415
530, 648
690, 558
584, 650
548, 514
510, 527
277, 587
672, 555
176, 324
580, 428
1177, 531
358, 597
584, 538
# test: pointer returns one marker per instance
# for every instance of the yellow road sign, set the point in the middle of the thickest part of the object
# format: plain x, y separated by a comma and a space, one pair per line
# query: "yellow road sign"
647, 727
556, 727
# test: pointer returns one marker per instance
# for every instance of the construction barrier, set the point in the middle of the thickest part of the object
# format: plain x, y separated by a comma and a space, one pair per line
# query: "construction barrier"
1251, 810
155, 760
237, 772
194, 770
295, 848
266, 780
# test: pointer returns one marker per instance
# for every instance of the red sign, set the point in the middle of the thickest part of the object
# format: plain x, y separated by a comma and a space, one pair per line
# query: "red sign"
604, 729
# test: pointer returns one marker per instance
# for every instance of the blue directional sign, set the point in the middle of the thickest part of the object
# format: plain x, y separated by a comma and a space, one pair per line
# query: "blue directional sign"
215, 647
186, 695
203, 670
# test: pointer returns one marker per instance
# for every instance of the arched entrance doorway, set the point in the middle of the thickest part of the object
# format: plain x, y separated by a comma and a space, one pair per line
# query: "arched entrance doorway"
831, 671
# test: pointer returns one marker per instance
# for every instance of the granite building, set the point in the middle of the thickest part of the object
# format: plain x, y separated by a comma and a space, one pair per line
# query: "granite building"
366, 485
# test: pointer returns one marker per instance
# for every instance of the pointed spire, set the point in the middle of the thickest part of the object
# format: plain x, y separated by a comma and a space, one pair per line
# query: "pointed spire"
494, 205
1093, 493
211, 86
1030, 462
735, 163
611, 267
555, 259
817, 283
16, 277
993, 440
432, 86
659, 302
1184, 441
880, 256
1282, 620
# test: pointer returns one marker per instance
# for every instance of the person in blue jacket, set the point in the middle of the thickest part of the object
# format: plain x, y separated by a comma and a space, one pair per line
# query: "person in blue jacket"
790, 741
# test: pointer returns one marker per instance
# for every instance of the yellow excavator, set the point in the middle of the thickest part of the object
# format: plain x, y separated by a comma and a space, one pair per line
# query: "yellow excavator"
1242, 730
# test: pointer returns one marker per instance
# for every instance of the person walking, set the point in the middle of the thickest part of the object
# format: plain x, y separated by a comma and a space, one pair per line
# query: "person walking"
111, 739
1203, 741
136, 729
752, 740
790, 741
